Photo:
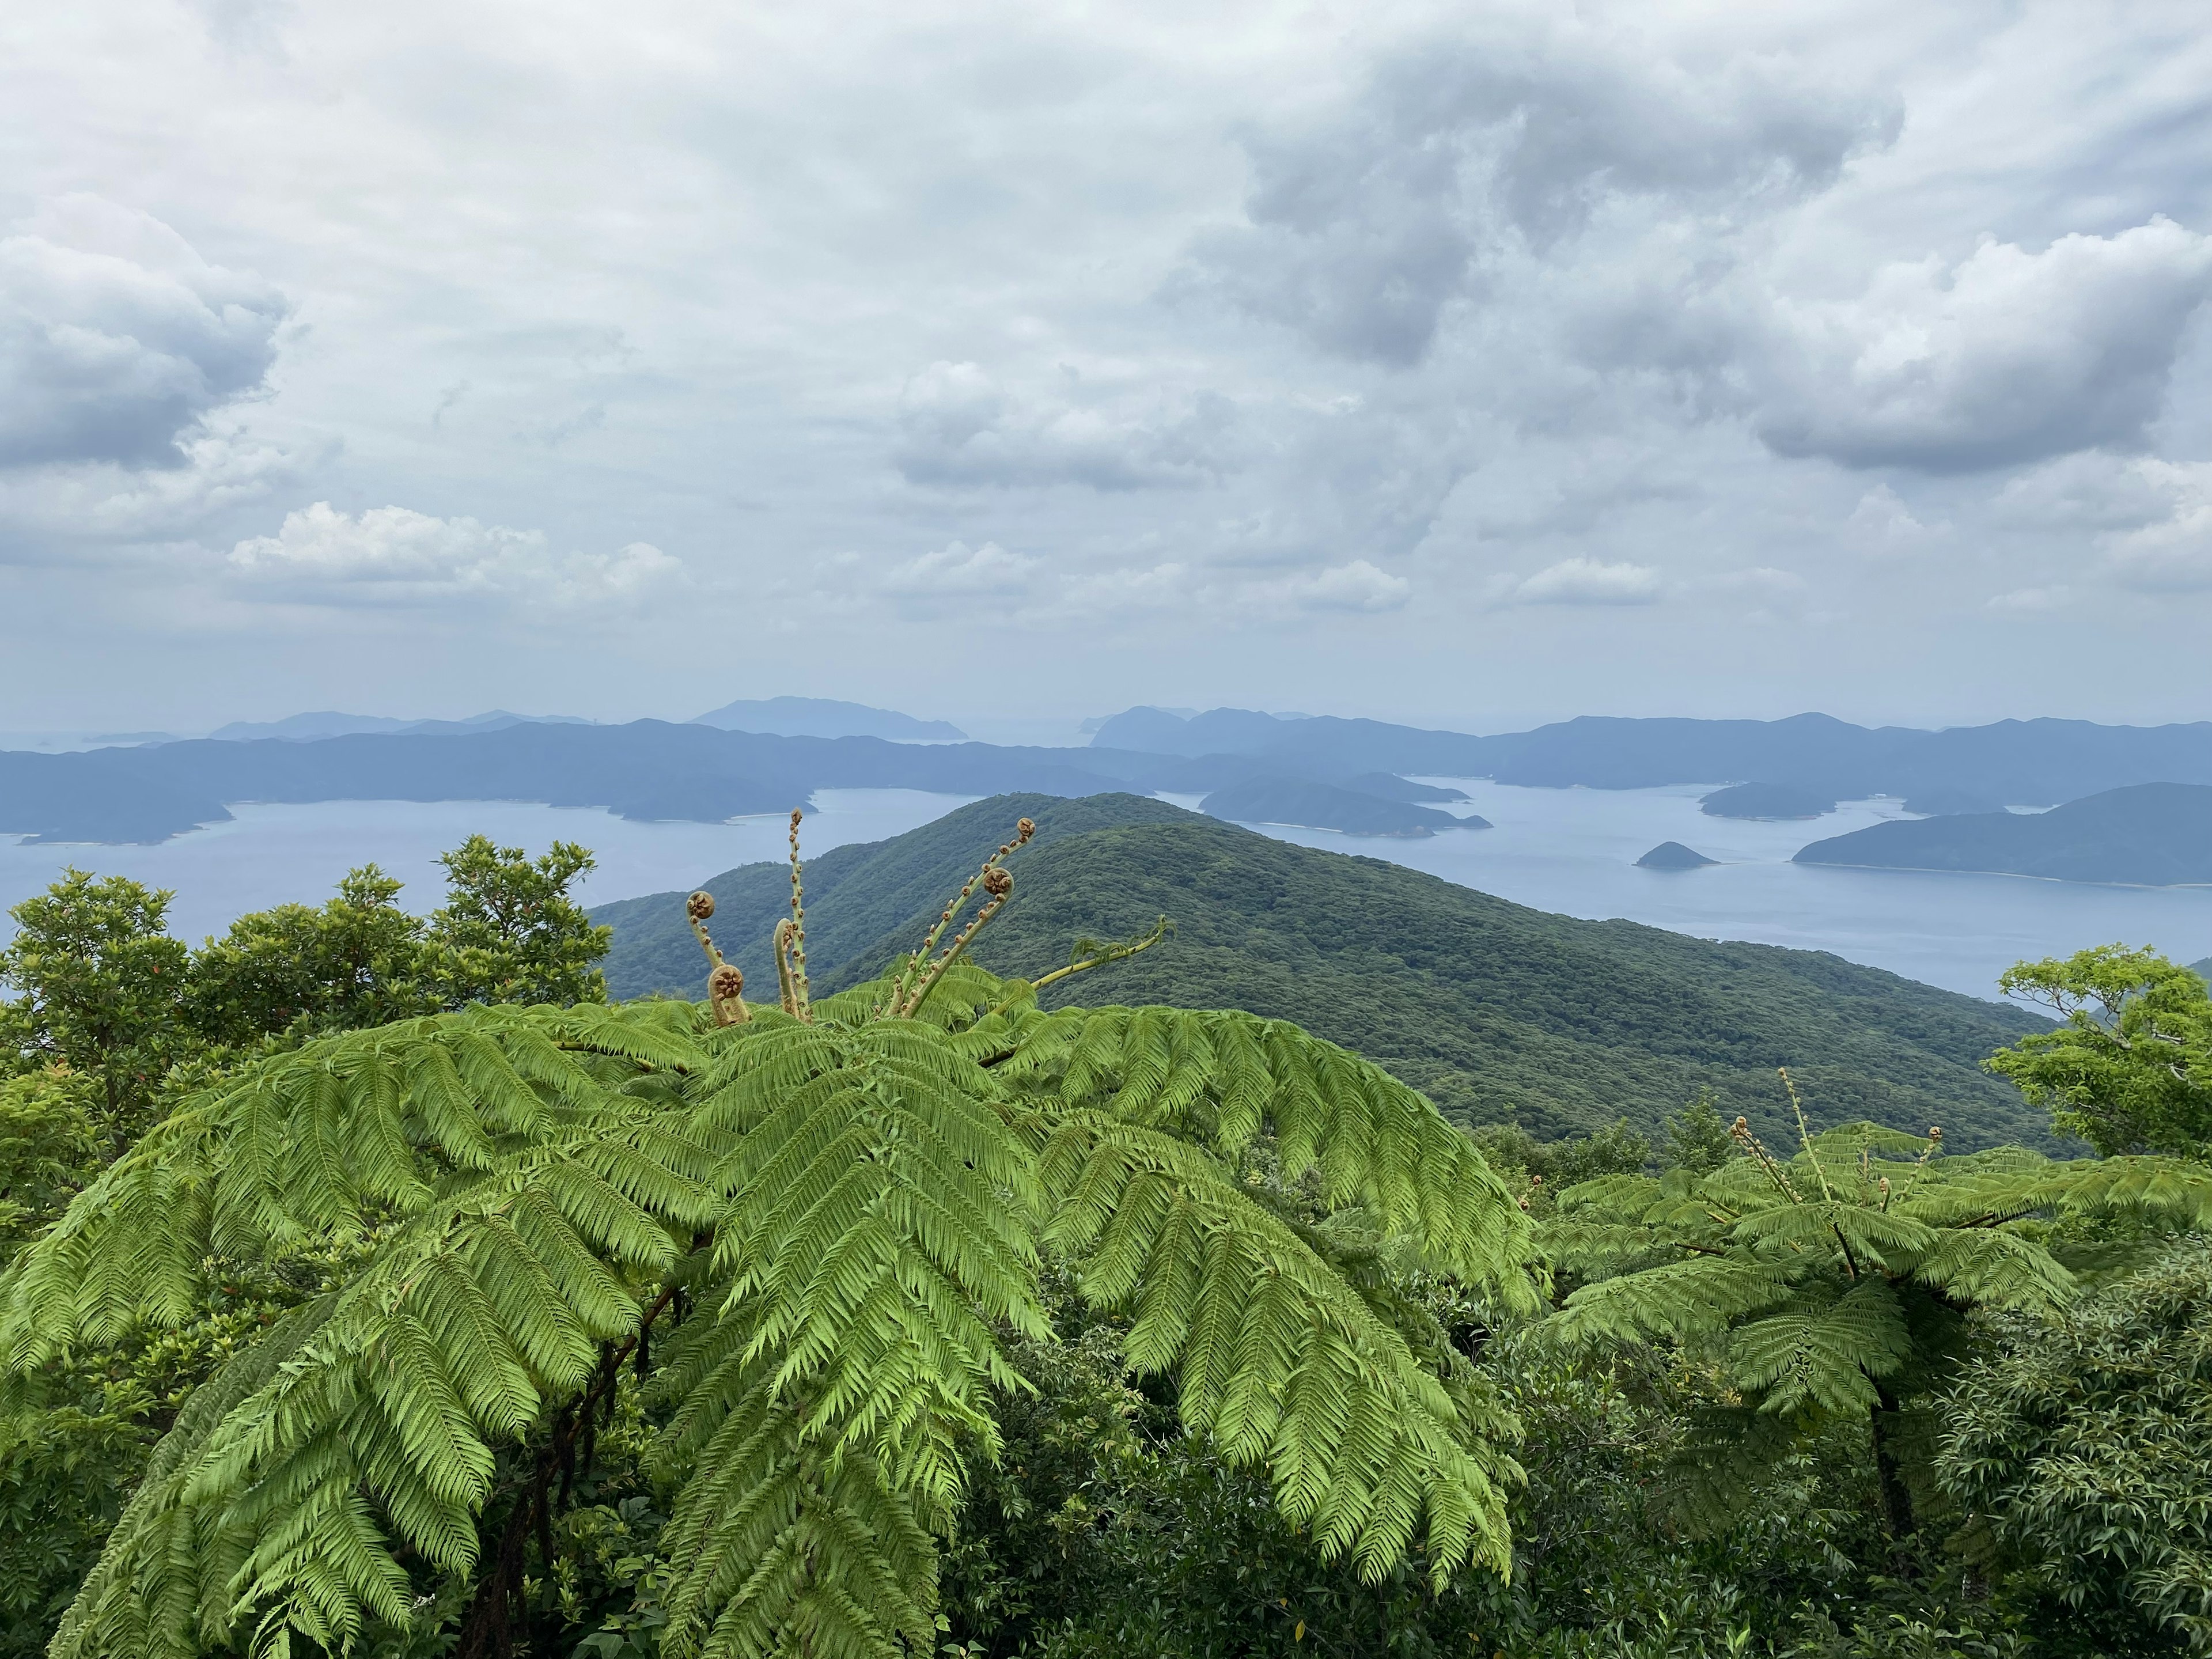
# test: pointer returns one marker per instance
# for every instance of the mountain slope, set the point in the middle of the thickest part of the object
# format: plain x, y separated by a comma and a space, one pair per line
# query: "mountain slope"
2154, 834
1497, 1010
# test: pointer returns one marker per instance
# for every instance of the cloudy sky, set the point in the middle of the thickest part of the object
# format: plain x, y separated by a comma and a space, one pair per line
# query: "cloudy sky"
1473, 364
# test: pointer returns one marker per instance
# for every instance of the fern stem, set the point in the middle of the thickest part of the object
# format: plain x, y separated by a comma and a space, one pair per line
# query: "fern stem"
798, 924
1805, 1136
905, 1003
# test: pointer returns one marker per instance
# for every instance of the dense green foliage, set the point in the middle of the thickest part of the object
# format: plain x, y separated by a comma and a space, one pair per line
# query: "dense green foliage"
1498, 1012
2130, 1069
113, 1023
2080, 1448
100, 987
1834, 1284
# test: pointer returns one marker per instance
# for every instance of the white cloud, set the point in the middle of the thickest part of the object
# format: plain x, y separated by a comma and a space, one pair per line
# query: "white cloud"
393, 555
2009, 356
117, 338
1359, 586
45, 509
1884, 527
1585, 581
958, 426
958, 572
1513, 132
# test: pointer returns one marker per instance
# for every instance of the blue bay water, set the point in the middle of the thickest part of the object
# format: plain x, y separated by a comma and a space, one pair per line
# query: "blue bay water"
1574, 851
1567, 850
273, 854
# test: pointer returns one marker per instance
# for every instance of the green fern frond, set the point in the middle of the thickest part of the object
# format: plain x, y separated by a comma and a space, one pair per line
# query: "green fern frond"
1697, 1297
852, 1199
1868, 1237
1823, 1353
1277, 1360
1985, 1268
1227, 1078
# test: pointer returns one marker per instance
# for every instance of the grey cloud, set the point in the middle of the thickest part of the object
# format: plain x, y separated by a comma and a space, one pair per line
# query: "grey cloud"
1363, 226
48, 512
116, 339
958, 426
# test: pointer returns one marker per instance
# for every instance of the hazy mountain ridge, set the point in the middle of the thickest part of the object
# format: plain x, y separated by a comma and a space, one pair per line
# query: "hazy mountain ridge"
647, 770
1496, 1010
826, 717
2016, 762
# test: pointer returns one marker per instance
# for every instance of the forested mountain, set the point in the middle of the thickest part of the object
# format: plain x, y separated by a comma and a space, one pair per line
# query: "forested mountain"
1498, 1011
2154, 834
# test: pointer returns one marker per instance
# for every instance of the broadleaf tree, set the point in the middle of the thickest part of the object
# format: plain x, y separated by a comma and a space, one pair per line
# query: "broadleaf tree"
2129, 1068
814, 1227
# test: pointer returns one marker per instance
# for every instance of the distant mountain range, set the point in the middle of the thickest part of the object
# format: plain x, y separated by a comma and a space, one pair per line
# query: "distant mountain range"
309, 728
1498, 1011
2152, 834
2037, 763
1350, 775
825, 717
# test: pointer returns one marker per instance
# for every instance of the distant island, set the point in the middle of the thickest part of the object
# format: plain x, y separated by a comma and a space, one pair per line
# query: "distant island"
1767, 801
1327, 806
1673, 855
825, 717
2153, 835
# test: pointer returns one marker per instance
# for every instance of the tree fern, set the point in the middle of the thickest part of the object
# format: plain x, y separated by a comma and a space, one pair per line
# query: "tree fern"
814, 1227
1831, 1284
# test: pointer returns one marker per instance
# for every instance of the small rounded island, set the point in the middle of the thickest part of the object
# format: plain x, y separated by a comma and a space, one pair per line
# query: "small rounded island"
1673, 855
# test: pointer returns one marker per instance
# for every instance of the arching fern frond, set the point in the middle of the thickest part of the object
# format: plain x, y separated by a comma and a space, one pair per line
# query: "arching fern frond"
1278, 1360
1823, 1351
1226, 1079
293, 1485
342, 1135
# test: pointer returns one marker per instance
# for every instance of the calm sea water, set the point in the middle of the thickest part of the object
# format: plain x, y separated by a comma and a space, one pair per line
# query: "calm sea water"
1568, 850
272, 854
1574, 851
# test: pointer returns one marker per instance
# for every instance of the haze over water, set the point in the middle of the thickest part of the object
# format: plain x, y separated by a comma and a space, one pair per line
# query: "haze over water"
1572, 851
